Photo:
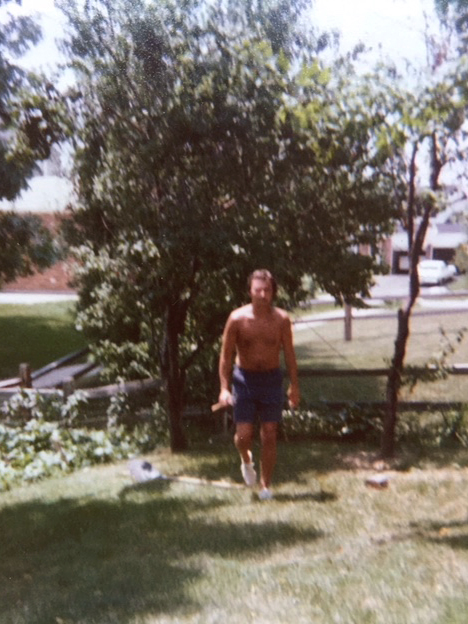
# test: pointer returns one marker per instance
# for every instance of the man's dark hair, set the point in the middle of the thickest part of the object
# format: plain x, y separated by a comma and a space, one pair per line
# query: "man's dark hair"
264, 275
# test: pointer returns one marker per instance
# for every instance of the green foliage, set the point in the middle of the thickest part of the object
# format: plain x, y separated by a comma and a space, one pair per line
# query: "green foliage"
211, 140
16, 36
26, 135
455, 12
437, 366
424, 124
435, 429
40, 120
322, 422
27, 246
128, 411
363, 423
51, 440
461, 258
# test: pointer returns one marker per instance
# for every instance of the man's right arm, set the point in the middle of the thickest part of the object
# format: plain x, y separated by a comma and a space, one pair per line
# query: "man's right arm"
225, 361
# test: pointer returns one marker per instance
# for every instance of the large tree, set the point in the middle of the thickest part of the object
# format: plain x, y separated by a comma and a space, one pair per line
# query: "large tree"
210, 141
425, 131
16, 36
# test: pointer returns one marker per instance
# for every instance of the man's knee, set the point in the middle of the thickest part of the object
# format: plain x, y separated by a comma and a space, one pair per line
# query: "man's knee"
244, 433
268, 432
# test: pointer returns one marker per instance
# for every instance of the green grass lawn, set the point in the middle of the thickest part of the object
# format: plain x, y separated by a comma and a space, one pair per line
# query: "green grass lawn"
324, 346
93, 548
36, 334
460, 283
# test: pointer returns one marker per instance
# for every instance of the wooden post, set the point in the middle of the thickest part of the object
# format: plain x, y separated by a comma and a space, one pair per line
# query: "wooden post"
348, 322
68, 387
25, 375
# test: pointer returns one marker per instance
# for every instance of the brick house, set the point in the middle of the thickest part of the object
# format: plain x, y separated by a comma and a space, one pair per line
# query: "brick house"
46, 197
441, 242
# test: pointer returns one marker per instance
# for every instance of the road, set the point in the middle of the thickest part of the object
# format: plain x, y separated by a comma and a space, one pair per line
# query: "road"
432, 300
386, 287
398, 286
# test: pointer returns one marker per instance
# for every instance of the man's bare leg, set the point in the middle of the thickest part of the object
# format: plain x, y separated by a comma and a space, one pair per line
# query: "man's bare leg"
243, 440
268, 436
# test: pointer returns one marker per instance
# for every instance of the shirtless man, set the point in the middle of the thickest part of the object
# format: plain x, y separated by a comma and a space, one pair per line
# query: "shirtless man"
255, 334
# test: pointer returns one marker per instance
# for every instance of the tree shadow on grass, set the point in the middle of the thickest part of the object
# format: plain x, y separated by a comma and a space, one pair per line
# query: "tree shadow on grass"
317, 497
160, 485
110, 561
299, 462
329, 456
453, 534
303, 462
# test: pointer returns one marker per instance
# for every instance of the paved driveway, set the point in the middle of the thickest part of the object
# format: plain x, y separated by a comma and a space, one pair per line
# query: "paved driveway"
390, 286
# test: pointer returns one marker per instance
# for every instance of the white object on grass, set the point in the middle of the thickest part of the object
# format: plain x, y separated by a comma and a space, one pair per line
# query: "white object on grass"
143, 471
379, 482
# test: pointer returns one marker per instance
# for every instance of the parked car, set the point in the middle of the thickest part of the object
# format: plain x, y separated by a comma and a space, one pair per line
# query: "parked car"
433, 272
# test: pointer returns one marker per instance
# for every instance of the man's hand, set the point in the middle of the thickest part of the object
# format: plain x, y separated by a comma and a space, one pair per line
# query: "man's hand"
294, 396
225, 398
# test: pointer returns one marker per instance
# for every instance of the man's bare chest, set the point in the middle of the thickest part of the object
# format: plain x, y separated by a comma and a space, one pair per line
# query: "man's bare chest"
266, 333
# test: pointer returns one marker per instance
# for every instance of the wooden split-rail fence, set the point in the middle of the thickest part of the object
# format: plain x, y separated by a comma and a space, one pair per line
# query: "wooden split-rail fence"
66, 374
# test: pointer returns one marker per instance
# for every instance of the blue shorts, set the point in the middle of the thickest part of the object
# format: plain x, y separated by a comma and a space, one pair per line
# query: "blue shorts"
257, 393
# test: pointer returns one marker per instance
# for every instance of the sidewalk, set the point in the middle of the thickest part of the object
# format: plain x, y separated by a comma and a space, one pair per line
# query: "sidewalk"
36, 297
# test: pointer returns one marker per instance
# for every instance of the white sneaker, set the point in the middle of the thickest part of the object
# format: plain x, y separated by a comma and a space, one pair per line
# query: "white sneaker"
248, 472
265, 494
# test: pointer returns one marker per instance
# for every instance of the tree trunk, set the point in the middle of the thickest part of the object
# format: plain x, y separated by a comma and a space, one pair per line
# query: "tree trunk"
387, 448
174, 383
175, 388
416, 238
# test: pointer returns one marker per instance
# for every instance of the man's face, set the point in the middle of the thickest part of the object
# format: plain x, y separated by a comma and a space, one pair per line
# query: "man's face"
261, 292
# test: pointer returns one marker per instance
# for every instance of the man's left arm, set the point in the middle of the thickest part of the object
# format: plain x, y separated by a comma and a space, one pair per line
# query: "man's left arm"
291, 364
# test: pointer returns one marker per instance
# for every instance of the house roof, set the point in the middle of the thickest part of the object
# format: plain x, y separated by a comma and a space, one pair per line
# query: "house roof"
439, 236
449, 228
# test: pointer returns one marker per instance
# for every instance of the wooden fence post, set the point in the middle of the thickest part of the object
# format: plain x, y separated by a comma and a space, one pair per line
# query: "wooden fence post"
348, 322
68, 387
25, 375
